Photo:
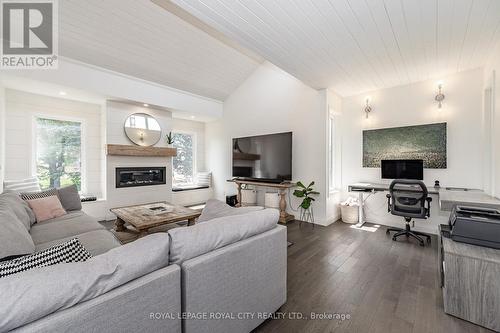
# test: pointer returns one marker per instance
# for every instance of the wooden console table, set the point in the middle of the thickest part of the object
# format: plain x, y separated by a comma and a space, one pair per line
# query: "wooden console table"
282, 188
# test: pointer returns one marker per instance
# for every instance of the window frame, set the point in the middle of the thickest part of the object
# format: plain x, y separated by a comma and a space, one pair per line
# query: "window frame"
331, 152
83, 146
334, 152
195, 154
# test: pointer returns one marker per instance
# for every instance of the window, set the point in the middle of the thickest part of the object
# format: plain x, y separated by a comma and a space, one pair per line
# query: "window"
183, 163
334, 152
58, 153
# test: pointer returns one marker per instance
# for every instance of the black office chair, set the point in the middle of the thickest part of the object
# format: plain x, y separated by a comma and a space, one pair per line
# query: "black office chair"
408, 198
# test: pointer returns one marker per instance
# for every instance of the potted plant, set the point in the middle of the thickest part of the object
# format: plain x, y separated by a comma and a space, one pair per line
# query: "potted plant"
169, 138
306, 193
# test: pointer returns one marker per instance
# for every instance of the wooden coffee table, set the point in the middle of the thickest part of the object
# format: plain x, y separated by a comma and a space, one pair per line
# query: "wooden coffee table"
145, 217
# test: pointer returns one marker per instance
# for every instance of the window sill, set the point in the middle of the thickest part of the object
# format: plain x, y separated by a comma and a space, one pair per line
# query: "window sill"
95, 201
188, 188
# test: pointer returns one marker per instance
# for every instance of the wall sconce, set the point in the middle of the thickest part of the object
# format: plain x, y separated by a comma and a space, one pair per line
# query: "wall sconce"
440, 96
367, 108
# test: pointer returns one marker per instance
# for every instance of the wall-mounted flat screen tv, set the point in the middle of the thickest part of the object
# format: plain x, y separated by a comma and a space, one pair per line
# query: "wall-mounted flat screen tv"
263, 157
403, 169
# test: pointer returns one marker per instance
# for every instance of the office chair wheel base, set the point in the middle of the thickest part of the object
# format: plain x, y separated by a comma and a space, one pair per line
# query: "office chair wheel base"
410, 234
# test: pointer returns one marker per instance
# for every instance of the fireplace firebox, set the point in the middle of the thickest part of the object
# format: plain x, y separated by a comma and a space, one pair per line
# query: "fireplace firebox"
141, 176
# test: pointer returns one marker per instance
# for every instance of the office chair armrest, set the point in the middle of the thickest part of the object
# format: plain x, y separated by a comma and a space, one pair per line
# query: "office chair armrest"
428, 199
388, 196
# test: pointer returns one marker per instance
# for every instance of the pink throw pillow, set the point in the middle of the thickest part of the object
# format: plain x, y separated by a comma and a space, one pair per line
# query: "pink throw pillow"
47, 208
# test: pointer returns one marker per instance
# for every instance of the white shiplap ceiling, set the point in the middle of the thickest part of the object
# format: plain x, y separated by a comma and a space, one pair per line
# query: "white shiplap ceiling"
140, 39
352, 46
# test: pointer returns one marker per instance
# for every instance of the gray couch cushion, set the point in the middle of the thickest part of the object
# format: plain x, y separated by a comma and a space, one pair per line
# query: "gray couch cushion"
20, 208
70, 199
215, 209
71, 224
14, 237
96, 242
190, 242
37, 293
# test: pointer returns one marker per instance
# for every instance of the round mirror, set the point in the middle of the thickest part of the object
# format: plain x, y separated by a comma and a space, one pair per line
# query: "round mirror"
142, 129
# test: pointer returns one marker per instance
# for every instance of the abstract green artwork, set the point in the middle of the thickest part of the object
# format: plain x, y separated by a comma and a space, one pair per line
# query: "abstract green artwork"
425, 142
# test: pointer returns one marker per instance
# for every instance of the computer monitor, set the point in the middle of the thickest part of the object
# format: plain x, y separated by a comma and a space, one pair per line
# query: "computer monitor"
402, 169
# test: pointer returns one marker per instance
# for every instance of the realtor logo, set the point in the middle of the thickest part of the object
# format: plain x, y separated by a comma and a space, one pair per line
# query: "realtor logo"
29, 34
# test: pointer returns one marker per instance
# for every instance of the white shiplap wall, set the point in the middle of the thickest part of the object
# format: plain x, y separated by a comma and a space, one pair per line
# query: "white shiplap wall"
23, 107
354, 46
116, 114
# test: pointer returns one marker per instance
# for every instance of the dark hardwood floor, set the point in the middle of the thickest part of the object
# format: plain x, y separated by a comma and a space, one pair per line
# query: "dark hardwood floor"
384, 286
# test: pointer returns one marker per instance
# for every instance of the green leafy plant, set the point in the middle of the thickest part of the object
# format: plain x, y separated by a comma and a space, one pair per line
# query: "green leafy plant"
305, 192
169, 138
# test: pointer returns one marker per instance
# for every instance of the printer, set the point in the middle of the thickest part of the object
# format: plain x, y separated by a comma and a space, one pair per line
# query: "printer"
475, 225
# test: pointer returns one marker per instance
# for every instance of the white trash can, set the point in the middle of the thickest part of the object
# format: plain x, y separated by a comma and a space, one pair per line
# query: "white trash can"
349, 211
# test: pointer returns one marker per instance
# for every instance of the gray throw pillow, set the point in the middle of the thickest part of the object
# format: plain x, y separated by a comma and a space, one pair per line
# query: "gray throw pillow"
14, 237
215, 209
70, 199
12, 202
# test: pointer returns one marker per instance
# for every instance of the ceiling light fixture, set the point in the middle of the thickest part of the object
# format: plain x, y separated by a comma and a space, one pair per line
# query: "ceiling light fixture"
440, 96
145, 105
367, 108
192, 117
62, 93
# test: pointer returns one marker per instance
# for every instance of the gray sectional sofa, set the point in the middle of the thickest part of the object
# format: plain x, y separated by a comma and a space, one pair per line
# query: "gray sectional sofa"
200, 278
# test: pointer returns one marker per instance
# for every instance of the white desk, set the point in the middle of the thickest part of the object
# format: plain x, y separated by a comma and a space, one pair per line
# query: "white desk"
448, 197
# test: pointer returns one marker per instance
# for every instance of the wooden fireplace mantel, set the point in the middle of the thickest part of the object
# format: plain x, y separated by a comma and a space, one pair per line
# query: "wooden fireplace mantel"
130, 150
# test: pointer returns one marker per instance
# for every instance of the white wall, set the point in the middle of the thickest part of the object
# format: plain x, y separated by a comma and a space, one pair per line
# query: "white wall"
2, 136
272, 101
197, 128
414, 105
491, 75
21, 110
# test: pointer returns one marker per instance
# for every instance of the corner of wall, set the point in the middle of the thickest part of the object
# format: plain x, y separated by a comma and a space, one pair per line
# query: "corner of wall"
2, 136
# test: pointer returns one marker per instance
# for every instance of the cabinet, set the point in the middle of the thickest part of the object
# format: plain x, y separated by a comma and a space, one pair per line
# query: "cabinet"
470, 282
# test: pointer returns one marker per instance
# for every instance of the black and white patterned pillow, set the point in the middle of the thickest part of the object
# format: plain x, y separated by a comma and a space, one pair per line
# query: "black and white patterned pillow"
70, 251
38, 195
